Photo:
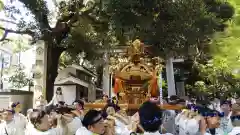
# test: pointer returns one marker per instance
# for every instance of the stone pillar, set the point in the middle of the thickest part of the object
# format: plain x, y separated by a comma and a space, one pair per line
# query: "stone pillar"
111, 86
91, 92
39, 71
170, 77
106, 75
180, 88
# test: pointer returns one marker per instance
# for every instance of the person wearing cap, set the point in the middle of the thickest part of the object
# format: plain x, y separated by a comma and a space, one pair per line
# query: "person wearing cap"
235, 118
93, 124
226, 124
8, 126
19, 118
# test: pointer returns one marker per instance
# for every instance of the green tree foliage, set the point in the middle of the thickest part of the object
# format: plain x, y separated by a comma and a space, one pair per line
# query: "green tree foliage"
19, 79
218, 73
20, 45
79, 27
1, 5
225, 46
172, 26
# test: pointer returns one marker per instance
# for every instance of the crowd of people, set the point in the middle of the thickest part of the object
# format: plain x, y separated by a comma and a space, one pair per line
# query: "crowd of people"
57, 118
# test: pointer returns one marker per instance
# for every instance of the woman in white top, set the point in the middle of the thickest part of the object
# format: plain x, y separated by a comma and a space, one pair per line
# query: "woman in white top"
58, 97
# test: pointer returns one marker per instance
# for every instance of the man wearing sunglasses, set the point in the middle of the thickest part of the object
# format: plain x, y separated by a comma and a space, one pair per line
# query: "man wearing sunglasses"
235, 118
93, 124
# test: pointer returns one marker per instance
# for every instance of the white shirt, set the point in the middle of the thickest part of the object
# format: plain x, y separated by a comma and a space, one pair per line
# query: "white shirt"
20, 120
29, 128
192, 126
74, 125
7, 129
56, 99
226, 123
10, 129
122, 130
54, 131
155, 133
182, 122
235, 131
83, 131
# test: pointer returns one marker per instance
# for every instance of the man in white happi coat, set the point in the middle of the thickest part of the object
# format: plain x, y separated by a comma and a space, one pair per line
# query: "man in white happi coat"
235, 118
93, 124
42, 125
9, 126
226, 124
19, 118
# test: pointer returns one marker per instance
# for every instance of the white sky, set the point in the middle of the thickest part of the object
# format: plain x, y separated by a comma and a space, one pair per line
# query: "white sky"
3, 15
23, 10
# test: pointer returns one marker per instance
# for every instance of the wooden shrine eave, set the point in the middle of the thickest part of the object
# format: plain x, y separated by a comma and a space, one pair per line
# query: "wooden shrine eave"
78, 67
71, 80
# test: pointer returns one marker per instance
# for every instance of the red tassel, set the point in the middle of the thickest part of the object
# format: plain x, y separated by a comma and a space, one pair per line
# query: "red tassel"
154, 88
116, 86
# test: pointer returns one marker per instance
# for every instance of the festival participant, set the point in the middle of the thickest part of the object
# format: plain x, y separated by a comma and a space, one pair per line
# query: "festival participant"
29, 125
58, 97
42, 125
122, 125
150, 117
210, 122
226, 124
93, 123
19, 118
105, 98
75, 122
188, 121
181, 102
8, 126
79, 106
235, 118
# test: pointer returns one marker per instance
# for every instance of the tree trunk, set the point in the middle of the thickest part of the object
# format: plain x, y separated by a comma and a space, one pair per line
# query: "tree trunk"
53, 55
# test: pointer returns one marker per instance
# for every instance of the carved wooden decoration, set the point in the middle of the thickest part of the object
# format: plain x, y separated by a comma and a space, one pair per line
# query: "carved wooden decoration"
39, 50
